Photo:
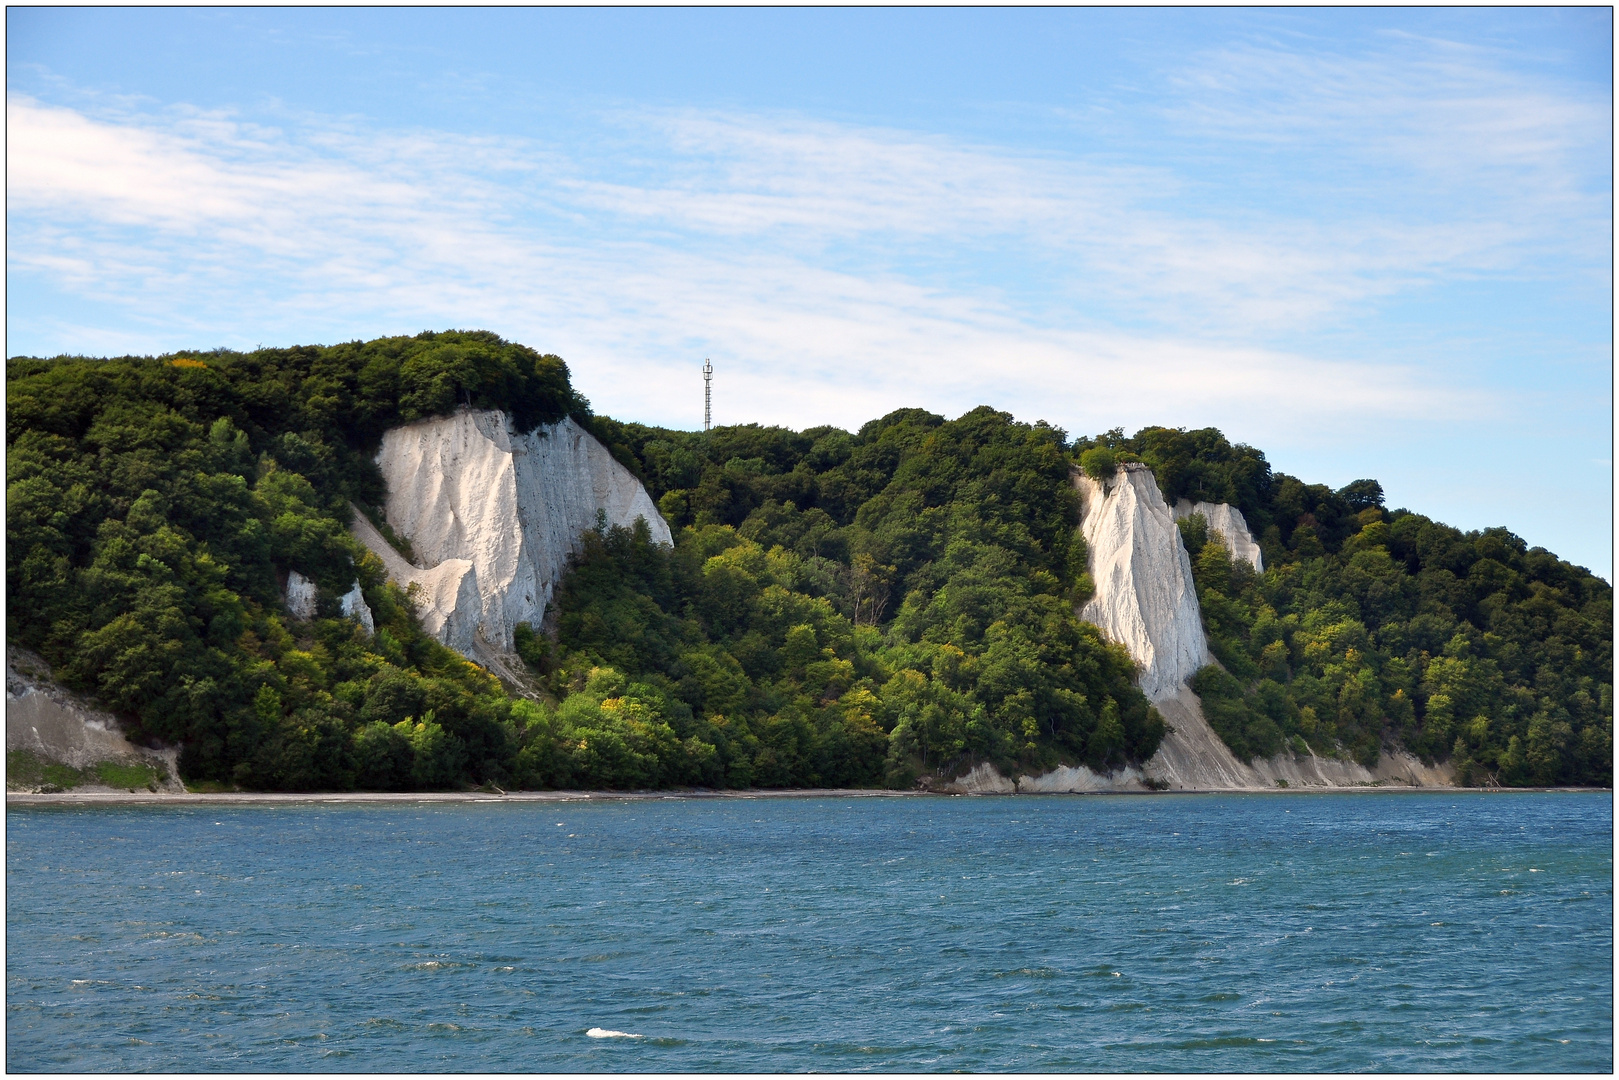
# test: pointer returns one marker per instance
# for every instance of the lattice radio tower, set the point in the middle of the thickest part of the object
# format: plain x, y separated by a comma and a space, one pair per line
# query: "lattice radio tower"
708, 395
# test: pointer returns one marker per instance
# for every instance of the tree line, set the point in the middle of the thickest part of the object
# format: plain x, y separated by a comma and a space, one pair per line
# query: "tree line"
844, 609
1372, 627
155, 506
839, 608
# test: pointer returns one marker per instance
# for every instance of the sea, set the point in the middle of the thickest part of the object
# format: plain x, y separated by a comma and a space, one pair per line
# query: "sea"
1356, 931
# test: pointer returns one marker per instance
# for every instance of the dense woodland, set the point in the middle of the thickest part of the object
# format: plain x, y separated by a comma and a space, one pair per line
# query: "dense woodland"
852, 609
839, 609
1372, 626
155, 506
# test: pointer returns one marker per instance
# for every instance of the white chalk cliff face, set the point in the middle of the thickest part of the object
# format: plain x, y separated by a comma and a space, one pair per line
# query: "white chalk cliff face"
493, 517
300, 596
62, 727
354, 607
1145, 599
1227, 520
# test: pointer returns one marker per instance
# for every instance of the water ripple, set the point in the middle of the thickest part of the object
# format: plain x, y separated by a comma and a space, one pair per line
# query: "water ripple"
1397, 932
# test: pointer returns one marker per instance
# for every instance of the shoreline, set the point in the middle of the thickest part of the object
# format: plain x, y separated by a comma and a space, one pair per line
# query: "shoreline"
191, 798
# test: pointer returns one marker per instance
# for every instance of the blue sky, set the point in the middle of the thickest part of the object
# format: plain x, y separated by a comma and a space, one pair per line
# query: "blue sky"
1370, 242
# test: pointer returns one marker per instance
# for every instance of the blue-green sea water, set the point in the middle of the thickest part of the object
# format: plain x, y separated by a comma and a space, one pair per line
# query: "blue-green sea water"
1294, 932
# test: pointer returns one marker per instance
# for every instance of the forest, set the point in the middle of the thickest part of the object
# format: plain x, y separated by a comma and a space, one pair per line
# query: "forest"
1372, 626
155, 505
839, 609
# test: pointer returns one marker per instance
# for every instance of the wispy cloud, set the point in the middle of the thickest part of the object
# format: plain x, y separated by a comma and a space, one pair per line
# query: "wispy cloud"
841, 266
1442, 130
1307, 243
1125, 234
227, 224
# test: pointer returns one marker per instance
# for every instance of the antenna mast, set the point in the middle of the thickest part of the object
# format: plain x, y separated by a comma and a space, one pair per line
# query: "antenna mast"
708, 395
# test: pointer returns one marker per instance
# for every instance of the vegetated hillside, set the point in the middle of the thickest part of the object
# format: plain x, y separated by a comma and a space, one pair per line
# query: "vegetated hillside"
155, 505
838, 609
1372, 625
851, 609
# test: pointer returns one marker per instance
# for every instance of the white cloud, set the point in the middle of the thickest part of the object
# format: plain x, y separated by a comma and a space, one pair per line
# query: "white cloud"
347, 216
835, 272
1113, 231
794, 251
1439, 127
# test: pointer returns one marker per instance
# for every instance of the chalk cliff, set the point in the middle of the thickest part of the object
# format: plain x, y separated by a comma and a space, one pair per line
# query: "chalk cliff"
1144, 598
447, 599
59, 727
301, 593
1227, 520
493, 516
354, 607
302, 596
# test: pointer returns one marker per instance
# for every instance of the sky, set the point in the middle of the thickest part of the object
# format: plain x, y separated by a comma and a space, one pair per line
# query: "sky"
1370, 242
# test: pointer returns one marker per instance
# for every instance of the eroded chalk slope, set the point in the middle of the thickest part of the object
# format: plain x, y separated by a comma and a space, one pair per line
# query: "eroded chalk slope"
493, 516
1145, 599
